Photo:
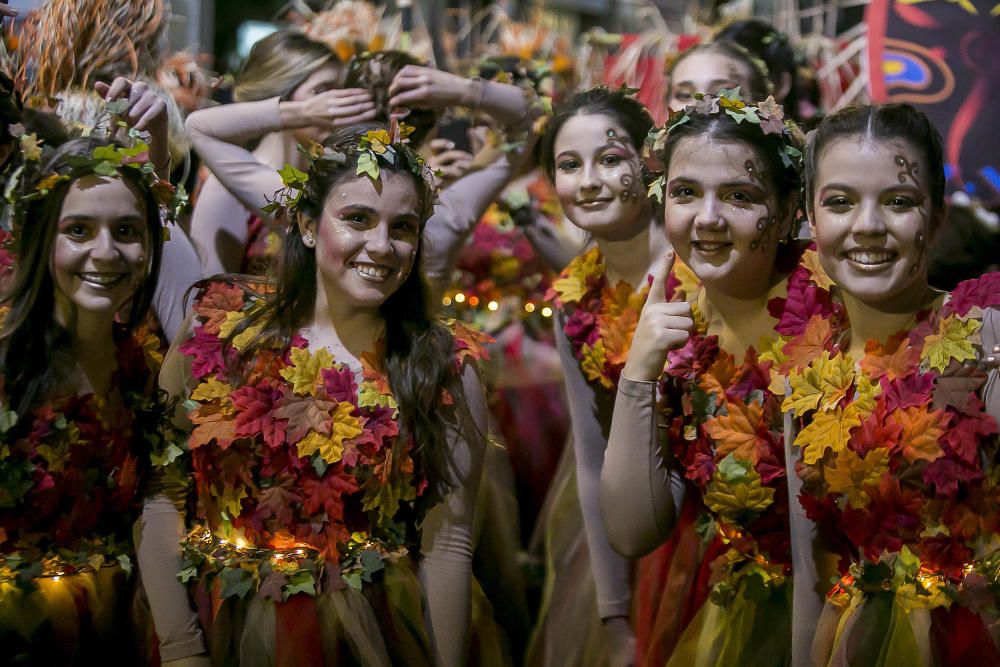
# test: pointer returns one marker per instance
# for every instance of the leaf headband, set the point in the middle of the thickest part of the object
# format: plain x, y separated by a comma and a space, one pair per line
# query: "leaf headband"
105, 160
376, 147
768, 115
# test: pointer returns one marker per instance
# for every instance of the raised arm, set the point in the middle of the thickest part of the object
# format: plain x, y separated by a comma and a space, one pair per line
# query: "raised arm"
446, 566
637, 484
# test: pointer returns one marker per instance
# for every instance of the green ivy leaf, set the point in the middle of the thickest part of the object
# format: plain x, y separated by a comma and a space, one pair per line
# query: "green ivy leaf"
293, 177
8, 418
187, 574
732, 470
167, 456
236, 582
105, 168
367, 165
300, 582
107, 153
116, 107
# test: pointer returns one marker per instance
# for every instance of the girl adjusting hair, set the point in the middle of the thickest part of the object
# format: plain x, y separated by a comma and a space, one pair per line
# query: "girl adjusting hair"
347, 502
592, 152
83, 425
695, 460
897, 450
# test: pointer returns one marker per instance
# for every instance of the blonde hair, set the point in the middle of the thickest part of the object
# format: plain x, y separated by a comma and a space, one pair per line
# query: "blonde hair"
278, 64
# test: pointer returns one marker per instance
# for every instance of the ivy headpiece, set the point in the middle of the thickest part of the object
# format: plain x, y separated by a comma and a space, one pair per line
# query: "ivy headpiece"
28, 183
768, 115
374, 148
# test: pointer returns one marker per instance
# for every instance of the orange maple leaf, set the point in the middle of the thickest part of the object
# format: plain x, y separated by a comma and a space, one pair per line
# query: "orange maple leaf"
808, 345
617, 334
219, 298
736, 432
896, 359
922, 428
216, 426
719, 376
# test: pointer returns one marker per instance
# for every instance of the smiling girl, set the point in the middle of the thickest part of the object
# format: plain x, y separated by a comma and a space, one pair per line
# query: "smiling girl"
896, 416
338, 437
591, 151
82, 424
695, 456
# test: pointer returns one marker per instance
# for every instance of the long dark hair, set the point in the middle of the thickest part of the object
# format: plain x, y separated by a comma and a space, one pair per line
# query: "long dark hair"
419, 357
881, 122
771, 46
35, 350
781, 174
375, 72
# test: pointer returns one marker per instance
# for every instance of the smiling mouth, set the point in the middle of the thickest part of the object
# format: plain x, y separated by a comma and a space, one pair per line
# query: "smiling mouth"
871, 259
709, 247
102, 279
591, 204
375, 273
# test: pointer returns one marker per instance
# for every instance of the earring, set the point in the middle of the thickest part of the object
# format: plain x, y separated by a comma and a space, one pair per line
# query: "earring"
920, 239
142, 259
308, 241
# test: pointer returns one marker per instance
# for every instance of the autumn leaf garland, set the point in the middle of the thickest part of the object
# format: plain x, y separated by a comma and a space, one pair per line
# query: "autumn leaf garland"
894, 449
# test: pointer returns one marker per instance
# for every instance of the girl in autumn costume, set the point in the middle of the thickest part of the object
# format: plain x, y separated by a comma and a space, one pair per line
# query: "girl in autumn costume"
895, 418
338, 434
591, 151
695, 455
81, 421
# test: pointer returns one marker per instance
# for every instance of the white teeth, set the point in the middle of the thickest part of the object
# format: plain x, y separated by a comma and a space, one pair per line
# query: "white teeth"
101, 279
709, 246
372, 272
870, 257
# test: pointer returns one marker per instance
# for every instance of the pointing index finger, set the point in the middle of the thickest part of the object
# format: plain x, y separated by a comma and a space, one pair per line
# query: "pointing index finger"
658, 288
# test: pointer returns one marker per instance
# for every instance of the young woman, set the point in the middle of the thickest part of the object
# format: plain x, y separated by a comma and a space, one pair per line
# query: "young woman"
895, 418
712, 67
305, 76
82, 424
338, 437
695, 453
592, 152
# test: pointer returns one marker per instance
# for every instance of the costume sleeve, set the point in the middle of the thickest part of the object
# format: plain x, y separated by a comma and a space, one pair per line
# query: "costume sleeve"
458, 210
990, 336
159, 534
219, 228
610, 570
446, 565
179, 269
807, 599
506, 103
636, 486
218, 135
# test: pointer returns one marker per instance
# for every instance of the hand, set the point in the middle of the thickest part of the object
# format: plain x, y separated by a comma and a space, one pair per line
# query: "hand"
662, 327
428, 88
329, 110
7, 12
452, 163
147, 112
190, 661
621, 642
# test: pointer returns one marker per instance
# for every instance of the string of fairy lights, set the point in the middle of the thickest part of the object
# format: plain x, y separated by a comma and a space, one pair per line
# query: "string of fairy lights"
460, 299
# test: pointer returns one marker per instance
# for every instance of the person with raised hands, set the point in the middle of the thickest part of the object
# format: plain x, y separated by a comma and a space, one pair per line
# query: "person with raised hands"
287, 92
695, 462
893, 413
83, 426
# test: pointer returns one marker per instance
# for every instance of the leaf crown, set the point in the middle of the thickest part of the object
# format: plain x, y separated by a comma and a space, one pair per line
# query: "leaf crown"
768, 115
28, 182
372, 149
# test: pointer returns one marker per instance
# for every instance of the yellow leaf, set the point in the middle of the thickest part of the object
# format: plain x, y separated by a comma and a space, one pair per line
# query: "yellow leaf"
572, 284
230, 498
241, 340
736, 432
952, 341
31, 147
806, 393
304, 373
850, 474
730, 500
233, 317
822, 384
593, 363
689, 283
810, 260
837, 375
211, 389
331, 447
828, 430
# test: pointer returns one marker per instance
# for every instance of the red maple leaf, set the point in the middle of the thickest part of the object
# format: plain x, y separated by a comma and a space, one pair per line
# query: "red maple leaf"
205, 351
695, 358
983, 291
906, 392
276, 502
877, 430
967, 431
896, 359
946, 474
215, 301
255, 412
305, 413
339, 384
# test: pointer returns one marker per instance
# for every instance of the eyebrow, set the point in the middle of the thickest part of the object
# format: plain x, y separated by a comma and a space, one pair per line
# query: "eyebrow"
83, 218
712, 84
746, 183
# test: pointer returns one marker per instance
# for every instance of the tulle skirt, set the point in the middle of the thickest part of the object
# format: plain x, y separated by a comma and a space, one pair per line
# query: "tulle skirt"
882, 630
381, 625
78, 619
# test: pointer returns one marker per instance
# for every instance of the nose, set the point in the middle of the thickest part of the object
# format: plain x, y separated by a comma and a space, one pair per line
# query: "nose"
869, 220
378, 244
709, 215
104, 248
589, 182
